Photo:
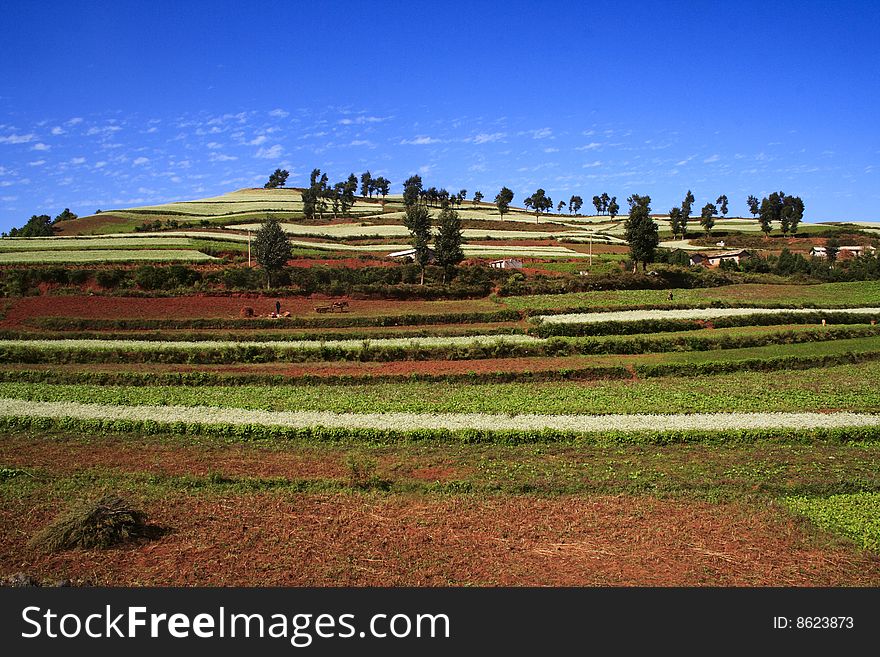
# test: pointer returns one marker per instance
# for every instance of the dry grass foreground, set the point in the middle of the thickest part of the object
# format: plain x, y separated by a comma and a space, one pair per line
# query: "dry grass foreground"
415, 540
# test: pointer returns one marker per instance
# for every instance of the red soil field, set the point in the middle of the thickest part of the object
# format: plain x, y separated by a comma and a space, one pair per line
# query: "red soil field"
193, 307
416, 540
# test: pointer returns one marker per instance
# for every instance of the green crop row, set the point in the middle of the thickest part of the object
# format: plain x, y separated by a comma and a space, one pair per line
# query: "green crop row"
367, 352
128, 378
849, 387
574, 329
465, 436
855, 515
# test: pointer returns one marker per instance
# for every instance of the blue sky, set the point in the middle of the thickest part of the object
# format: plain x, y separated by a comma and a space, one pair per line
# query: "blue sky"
108, 105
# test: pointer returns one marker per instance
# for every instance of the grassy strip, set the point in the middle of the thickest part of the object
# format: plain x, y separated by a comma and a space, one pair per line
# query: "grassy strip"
839, 435
789, 362
866, 293
334, 321
574, 329
847, 387
855, 515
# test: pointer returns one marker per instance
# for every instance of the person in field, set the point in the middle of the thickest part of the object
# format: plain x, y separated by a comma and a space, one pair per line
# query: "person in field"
278, 308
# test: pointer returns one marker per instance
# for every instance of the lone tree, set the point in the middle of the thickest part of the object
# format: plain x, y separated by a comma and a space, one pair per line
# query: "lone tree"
641, 231
832, 248
65, 215
771, 210
502, 201
613, 207
686, 206
707, 217
722, 204
792, 213
448, 242
366, 184
418, 222
412, 190
539, 202
277, 179
575, 203
478, 196
675, 221
271, 248
560, 206
754, 208
383, 186
315, 197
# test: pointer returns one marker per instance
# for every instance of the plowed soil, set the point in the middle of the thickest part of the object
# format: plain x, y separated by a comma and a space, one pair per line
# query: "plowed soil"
363, 540
194, 307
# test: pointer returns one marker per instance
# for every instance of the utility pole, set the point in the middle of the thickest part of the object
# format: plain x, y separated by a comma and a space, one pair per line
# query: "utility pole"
591, 249
249, 248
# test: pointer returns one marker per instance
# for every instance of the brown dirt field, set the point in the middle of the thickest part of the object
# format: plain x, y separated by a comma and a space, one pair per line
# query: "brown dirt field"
366, 540
99, 307
85, 225
133, 455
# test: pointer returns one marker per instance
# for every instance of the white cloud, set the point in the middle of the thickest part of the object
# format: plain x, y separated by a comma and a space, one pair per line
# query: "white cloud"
270, 153
140, 160
78, 160
590, 165
213, 145
361, 142
219, 157
426, 168
421, 140
40, 146
712, 158
107, 129
17, 139
485, 138
152, 129
100, 165
279, 113
75, 120
57, 130
543, 133
551, 150
589, 147
256, 141
37, 163
360, 120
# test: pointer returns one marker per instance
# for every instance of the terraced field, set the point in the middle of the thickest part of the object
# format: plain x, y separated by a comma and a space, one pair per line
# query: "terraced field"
447, 429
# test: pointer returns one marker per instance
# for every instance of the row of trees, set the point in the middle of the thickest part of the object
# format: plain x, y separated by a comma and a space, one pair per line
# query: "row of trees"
788, 211
447, 251
40, 225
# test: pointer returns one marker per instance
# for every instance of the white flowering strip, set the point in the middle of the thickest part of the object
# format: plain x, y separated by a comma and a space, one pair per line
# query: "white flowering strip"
692, 313
103, 255
444, 421
281, 345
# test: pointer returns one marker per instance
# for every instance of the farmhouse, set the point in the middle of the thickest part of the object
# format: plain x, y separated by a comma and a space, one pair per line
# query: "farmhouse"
506, 263
715, 259
843, 252
409, 255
